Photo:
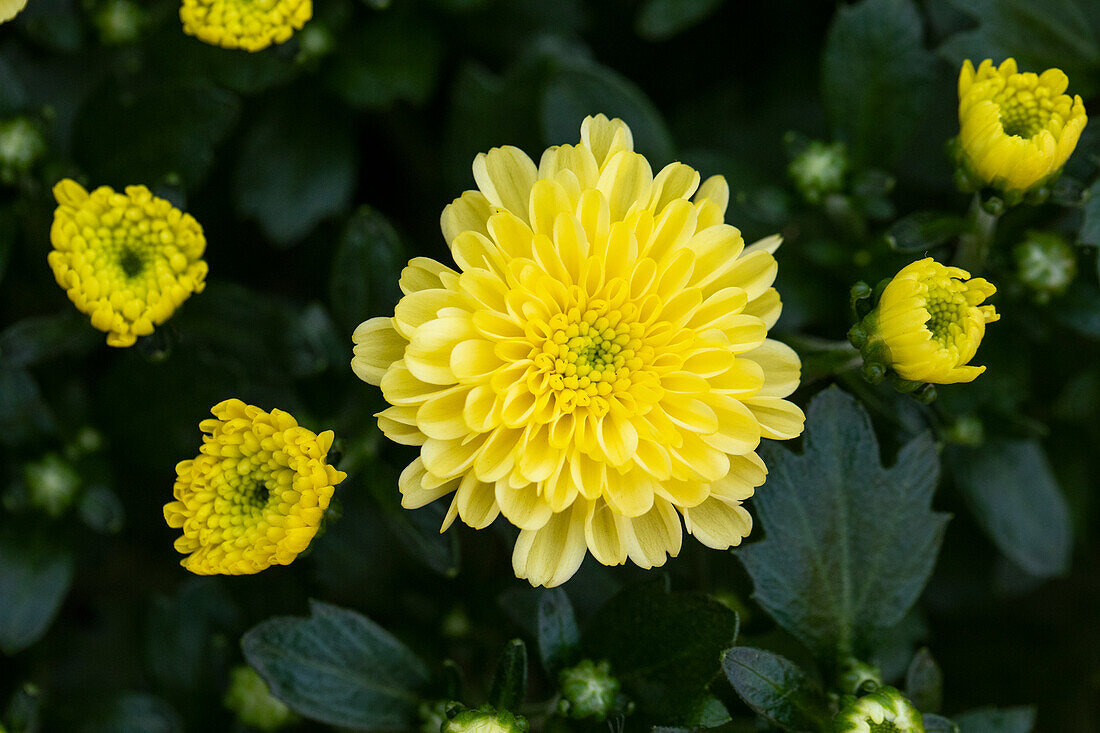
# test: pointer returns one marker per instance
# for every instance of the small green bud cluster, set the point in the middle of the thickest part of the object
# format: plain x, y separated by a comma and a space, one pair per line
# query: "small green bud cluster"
1045, 264
818, 170
590, 691
21, 145
485, 719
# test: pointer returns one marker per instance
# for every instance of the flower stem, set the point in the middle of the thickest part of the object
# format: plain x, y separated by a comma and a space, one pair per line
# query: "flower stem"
974, 246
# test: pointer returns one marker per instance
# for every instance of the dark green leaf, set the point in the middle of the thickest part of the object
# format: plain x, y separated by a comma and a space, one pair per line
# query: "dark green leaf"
510, 680
35, 574
338, 667
1016, 499
576, 89
1090, 225
939, 724
876, 77
39, 338
776, 688
665, 648
1054, 33
181, 649
23, 413
848, 545
101, 510
924, 682
557, 630
1079, 308
418, 529
391, 59
365, 269
925, 230
135, 712
661, 19
297, 166
155, 134
997, 720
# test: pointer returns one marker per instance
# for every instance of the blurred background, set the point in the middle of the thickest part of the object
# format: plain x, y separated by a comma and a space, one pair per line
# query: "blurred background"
318, 168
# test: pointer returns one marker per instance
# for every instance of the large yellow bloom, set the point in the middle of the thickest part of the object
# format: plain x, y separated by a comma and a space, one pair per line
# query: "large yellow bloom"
255, 495
931, 320
127, 260
11, 8
249, 24
1016, 130
598, 362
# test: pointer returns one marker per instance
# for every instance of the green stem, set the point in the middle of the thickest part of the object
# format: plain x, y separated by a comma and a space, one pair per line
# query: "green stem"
974, 246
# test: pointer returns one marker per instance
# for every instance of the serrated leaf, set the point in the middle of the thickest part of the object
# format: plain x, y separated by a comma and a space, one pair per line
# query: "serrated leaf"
1055, 33
997, 720
576, 89
662, 19
509, 688
876, 78
1015, 498
848, 545
152, 134
776, 688
557, 630
296, 167
365, 269
924, 682
338, 667
664, 647
35, 574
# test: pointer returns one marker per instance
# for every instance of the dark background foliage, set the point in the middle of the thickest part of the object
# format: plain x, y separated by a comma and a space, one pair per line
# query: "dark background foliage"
319, 167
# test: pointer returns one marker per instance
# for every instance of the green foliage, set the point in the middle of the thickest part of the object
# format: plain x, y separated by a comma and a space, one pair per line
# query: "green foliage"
558, 636
876, 77
659, 20
35, 574
338, 667
1015, 498
664, 647
510, 680
365, 269
924, 682
776, 688
280, 162
848, 545
997, 720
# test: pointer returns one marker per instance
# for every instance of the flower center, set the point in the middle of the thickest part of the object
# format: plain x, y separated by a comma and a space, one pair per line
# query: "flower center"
946, 310
885, 726
131, 261
1024, 112
243, 497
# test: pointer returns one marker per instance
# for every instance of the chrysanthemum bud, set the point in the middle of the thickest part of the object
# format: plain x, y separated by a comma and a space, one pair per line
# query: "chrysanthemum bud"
819, 170
1016, 130
926, 326
857, 678
249, 697
879, 712
21, 145
1045, 263
51, 484
485, 719
588, 690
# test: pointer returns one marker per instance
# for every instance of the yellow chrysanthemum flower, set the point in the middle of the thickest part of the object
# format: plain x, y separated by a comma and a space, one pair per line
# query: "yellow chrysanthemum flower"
598, 362
127, 260
11, 8
931, 320
255, 495
249, 24
1016, 130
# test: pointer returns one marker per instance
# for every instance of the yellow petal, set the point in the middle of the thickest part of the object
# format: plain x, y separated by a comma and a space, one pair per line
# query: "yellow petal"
551, 555
505, 175
467, 213
716, 524
377, 347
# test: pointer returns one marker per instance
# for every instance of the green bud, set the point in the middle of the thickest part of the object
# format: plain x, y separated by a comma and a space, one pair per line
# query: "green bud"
52, 484
252, 701
119, 21
819, 170
315, 41
485, 719
884, 711
588, 690
966, 430
858, 678
1045, 263
21, 145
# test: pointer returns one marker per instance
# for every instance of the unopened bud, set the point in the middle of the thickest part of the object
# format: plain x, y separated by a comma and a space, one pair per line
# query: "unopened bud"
252, 701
